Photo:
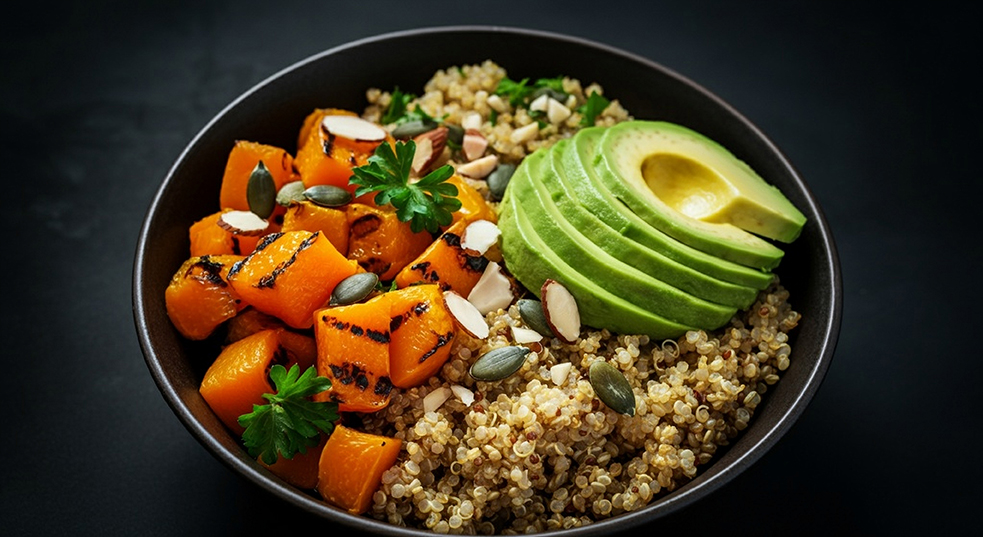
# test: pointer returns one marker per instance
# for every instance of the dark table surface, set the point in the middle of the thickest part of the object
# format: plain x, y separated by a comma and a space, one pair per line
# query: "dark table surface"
876, 105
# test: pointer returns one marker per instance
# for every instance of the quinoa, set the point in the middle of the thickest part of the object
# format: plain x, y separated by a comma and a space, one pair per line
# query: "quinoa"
538, 450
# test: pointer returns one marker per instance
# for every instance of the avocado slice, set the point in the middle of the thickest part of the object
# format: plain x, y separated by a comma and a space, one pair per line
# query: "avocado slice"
552, 176
522, 247
598, 200
696, 191
533, 204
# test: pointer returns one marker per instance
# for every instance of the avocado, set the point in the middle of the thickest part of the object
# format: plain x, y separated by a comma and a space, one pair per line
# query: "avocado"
568, 244
696, 191
575, 159
552, 176
522, 247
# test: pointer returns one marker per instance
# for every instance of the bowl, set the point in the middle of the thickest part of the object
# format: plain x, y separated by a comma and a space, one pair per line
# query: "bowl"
272, 111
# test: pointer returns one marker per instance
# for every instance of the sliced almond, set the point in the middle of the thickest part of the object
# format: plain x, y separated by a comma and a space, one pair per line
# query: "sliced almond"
474, 144
462, 394
471, 120
353, 128
525, 133
480, 235
480, 168
560, 372
540, 104
466, 315
243, 223
525, 335
556, 112
498, 104
493, 290
433, 400
429, 147
561, 311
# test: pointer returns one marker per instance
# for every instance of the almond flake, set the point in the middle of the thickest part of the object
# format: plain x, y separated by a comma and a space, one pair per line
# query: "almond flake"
560, 372
540, 104
471, 120
353, 128
480, 235
524, 134
525, 335
466, 315
433, 400
493, 290
462, 394
429, 146
479, 168
474, 144
561, 311
556, 112
243, 223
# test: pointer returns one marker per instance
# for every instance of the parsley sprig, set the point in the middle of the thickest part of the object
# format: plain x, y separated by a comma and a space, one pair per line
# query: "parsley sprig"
426, 204
290, 423
521, 92
596, 103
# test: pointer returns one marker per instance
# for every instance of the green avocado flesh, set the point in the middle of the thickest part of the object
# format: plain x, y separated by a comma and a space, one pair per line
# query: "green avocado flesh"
648, 224
598, 200
696, 191
653, 263
598, 266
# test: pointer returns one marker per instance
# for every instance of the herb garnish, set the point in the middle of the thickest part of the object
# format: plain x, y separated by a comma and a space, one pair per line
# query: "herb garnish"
290, 423
426, 204
397, 106
519, 93
596, 103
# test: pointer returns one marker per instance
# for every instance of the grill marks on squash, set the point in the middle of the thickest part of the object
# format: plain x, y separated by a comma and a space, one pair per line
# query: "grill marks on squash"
269, 280
353, 351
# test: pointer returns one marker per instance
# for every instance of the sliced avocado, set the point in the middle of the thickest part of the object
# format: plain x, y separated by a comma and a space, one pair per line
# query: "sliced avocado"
552, 176
598, 308
598, 200
696, 191
533, 204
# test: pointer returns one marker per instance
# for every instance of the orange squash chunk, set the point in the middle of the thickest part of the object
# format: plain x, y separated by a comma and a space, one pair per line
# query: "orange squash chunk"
290, 275
307, 216
353, 351
249, 321
380, 243
421, 331
326, 159
239, 377
242, 160
300, 471
473, 204
199, 299
208, 238
446, 264
351, 467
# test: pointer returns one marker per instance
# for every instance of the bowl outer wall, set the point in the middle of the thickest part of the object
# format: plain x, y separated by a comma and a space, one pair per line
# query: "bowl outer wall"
271, 112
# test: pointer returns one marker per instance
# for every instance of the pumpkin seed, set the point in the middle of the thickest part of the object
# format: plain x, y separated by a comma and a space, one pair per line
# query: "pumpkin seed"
611, 387
413, 128
556, 95
354, 288
533, 315
261, 191
499, 363
499, 179
290, 193
328, 195
455, 135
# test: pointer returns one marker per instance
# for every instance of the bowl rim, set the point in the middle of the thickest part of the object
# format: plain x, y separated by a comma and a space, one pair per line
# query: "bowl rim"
678, 499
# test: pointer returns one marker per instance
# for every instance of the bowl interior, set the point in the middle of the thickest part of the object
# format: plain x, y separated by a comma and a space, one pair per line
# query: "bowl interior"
272, 113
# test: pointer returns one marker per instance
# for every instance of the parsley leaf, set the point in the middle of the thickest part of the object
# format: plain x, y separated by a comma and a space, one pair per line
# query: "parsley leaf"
397, 106
515, 92
290, 423
596, 103
426, 204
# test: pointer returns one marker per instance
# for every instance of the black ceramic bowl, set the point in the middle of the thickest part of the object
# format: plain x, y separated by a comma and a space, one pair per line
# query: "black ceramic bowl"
272, 113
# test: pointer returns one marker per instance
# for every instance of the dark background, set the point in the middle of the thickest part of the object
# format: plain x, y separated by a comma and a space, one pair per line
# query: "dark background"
875, 104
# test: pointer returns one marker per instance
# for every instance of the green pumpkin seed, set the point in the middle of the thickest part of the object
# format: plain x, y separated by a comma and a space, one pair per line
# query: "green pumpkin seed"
328, 195
455, 136
611, 387
261, 191
413, 128
558, 96
533, 315
499, 363
498, 179
291, 192
353, 288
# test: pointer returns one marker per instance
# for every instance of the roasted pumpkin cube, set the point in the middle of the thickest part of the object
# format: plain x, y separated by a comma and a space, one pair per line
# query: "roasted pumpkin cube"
445, 263
353, 351
421, 331
198, 298
243, 158
473, 204
290, 275
302, 470
331, 222
380, 242
239, 377
351, 467
209, 238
